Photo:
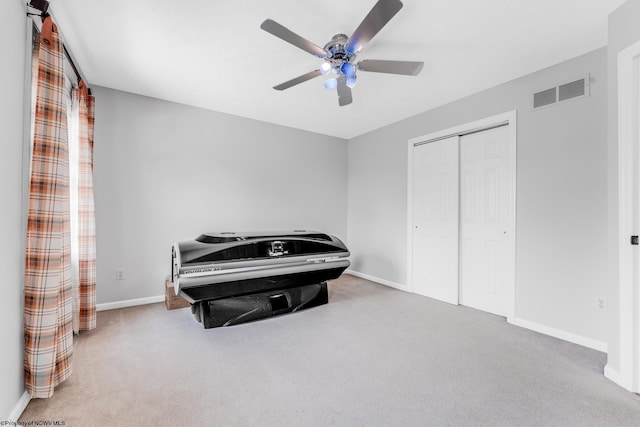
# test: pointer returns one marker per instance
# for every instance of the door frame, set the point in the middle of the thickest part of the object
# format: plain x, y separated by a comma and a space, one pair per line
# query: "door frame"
508, 118
628, 263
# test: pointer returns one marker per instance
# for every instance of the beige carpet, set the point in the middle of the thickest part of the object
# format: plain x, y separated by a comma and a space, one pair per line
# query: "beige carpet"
373, 356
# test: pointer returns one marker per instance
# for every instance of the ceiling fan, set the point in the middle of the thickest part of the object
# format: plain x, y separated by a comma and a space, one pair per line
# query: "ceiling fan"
339, 54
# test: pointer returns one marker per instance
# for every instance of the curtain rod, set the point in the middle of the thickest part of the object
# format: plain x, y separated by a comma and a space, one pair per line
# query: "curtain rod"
43, 7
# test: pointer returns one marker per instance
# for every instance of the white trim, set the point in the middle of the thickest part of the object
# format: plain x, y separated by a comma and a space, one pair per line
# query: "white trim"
615, 376
478, 125
629, 308
513, 218
19, 408
563, 335
536, 327
129, 303
509, 118
378, 280
409, 230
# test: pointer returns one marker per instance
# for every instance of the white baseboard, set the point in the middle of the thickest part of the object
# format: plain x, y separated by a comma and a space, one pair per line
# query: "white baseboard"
563, 335
377, 280
543, 329
129, 303
615, 376
17, 410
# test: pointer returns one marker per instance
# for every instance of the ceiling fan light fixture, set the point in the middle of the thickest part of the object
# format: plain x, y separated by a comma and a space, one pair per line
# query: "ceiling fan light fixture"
330, 83
339, 54
348, 69
325, 68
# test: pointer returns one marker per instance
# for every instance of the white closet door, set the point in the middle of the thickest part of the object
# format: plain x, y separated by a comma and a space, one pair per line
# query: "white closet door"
484, 207
435, 220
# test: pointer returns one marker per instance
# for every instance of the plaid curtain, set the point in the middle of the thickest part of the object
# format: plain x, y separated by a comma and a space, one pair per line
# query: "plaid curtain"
86, 211
48, 314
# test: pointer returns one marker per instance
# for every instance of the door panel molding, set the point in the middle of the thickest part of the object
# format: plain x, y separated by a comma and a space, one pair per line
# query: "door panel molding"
484, 221
436, 219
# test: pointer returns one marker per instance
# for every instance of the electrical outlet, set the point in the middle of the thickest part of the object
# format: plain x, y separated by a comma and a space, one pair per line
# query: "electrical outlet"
119, 273
602, 304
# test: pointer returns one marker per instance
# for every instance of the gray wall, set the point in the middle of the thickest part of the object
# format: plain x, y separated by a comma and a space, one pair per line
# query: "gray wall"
12, 75
624, 30
561, 195
166, 172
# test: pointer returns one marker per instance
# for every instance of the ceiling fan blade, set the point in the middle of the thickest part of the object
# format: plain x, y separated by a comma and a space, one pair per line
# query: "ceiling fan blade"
298, 80
406, 68
289, 36
344, 92
377, 18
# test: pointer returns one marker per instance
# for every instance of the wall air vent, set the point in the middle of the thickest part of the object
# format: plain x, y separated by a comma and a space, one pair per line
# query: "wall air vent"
561, 93
572, 90
545, 97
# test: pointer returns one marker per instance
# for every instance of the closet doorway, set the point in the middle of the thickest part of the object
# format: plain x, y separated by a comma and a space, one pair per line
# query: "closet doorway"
462, 215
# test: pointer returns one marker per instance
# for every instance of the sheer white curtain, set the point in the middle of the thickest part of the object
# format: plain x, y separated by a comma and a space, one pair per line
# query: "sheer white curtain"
73, 136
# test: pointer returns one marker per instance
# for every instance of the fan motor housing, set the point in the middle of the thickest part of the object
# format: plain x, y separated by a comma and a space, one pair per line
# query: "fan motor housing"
336, 50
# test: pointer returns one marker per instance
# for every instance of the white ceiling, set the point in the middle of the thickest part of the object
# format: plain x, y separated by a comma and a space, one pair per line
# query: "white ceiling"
213, 54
